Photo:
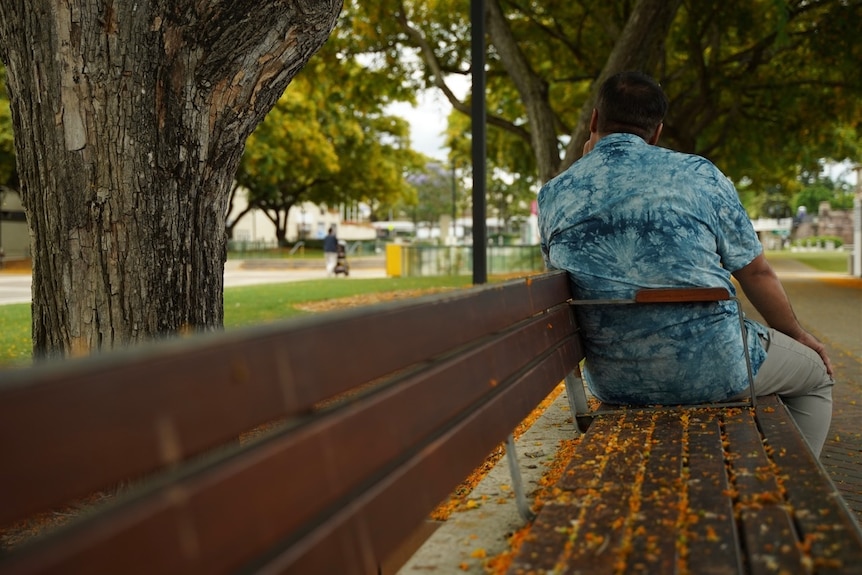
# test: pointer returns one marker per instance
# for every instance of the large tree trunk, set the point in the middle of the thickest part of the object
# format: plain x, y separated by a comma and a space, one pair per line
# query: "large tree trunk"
130, 119
638, 48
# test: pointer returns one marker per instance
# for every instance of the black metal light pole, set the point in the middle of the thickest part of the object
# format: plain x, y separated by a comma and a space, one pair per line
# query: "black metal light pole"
477, 113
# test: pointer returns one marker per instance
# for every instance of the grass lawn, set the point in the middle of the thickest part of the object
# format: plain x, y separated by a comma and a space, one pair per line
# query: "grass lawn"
15, 343
831, 261
268, 302
243, 306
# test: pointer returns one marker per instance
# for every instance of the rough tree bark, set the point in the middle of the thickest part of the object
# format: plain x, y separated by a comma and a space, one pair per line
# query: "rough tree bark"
534, 92
130, 119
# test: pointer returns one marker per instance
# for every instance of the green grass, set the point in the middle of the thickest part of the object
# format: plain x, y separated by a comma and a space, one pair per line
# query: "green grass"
15, 343
277, 254
263, 303
832, 261
243, 306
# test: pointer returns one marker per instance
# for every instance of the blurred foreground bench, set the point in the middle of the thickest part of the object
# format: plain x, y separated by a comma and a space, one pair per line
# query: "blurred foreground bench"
379, 412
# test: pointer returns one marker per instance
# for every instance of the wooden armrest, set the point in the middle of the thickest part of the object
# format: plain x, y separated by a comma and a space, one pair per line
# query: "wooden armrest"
677, 295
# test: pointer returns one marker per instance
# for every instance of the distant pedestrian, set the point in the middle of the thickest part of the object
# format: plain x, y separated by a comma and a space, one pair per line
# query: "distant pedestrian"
330, 251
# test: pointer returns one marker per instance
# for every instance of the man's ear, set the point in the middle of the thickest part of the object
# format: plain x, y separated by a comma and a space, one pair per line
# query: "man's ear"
654, 138
594, 121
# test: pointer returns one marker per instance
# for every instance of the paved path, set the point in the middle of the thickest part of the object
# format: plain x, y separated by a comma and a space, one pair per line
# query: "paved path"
15, 286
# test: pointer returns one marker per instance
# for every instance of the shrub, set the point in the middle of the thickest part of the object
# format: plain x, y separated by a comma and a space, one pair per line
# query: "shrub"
818, 242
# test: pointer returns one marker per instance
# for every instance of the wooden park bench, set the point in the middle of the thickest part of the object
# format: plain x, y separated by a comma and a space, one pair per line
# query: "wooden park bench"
726, 488
318, 445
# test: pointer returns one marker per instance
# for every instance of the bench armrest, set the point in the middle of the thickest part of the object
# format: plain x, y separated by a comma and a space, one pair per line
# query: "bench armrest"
679, 295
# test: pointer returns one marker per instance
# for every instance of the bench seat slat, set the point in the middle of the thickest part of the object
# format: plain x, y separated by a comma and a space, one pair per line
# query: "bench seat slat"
653, 532
711, 541
630, 502
767, 528
750, 502
560, 513
603, 524
578, 511
824, 521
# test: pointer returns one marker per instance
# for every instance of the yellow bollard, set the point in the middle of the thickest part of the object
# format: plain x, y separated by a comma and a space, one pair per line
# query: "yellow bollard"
393, 260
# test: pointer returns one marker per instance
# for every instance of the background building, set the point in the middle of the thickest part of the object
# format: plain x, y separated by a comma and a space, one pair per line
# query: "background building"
14, 236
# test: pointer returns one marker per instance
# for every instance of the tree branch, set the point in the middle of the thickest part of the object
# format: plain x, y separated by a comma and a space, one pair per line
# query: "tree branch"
637, 49
437, 73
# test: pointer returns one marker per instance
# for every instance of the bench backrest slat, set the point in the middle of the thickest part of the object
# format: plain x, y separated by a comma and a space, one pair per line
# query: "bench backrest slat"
137, 410
378, 519
681, 295
239, 509
101, 420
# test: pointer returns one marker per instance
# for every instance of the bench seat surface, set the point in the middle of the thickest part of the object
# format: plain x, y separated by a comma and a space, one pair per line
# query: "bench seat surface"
705, 490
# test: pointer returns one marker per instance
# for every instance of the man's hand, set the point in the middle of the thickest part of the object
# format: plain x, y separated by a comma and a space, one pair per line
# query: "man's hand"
806, 338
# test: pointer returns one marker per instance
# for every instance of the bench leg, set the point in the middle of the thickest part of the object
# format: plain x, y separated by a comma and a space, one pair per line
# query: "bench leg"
578, 402
515, 471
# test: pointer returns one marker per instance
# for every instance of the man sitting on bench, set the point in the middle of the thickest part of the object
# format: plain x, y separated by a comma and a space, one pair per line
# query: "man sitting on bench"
631, 215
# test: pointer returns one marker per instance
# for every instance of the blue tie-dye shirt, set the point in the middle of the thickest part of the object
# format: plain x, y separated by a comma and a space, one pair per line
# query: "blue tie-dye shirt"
630, 215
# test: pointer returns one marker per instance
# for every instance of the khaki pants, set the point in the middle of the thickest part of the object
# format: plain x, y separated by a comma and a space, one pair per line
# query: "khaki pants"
331, 259
796, 373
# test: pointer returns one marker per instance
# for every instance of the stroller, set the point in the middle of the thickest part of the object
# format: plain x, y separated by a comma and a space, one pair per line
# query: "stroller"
341, 265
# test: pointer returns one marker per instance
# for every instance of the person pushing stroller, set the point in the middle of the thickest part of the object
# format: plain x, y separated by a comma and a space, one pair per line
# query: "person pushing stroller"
335, 255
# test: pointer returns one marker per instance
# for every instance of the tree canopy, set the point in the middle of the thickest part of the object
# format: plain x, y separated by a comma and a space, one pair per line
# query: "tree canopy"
130, 122
764, 88
328, 140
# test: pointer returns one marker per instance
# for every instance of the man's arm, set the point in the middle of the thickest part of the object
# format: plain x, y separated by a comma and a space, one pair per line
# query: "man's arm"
765, 292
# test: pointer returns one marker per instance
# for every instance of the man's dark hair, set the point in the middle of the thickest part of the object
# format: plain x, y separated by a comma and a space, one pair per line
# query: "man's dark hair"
631, 102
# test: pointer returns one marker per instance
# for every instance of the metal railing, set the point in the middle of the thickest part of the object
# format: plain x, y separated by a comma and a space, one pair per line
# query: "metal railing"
421, 260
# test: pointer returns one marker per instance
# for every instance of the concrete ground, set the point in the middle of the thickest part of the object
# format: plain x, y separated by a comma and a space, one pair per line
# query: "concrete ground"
460, 544
828, 305
15, 283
